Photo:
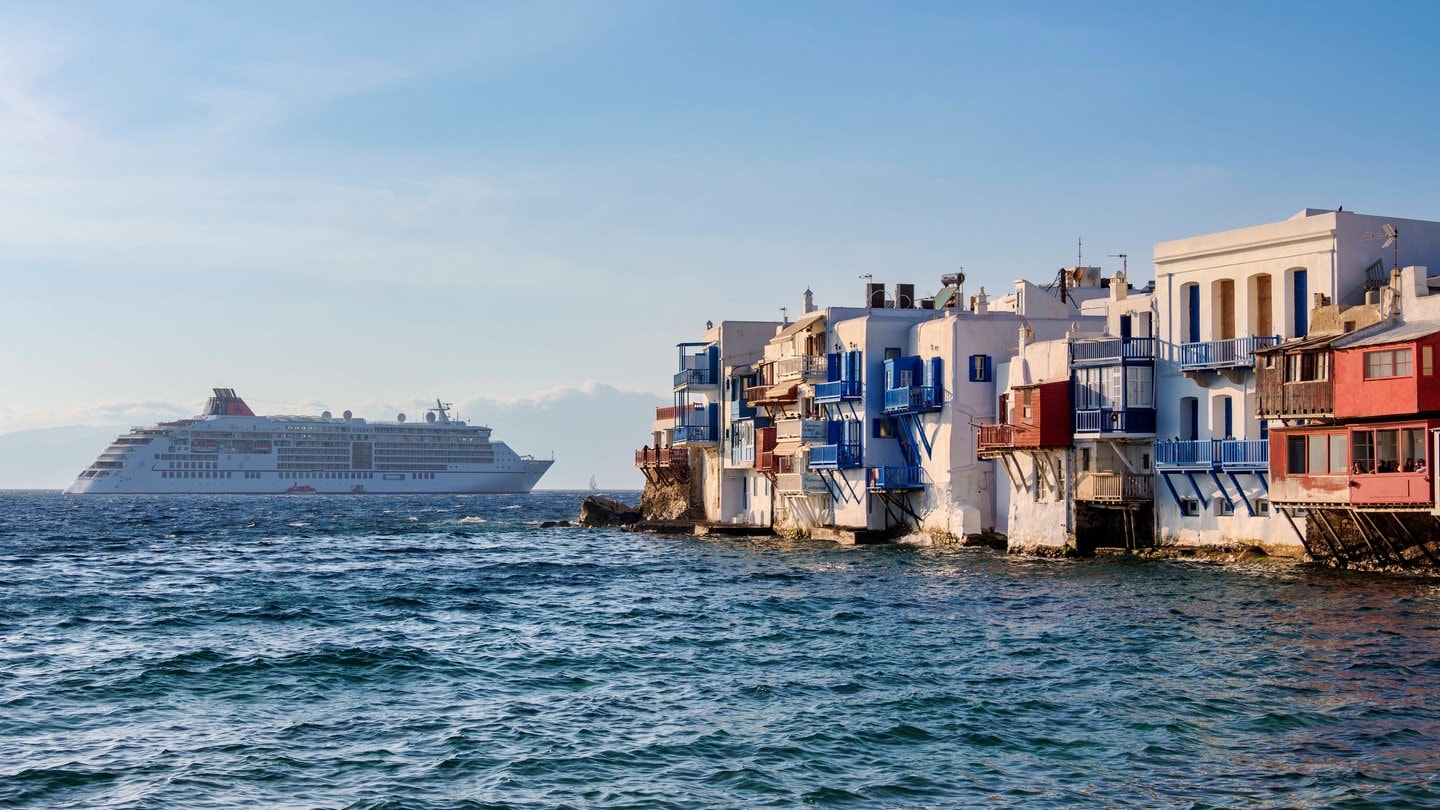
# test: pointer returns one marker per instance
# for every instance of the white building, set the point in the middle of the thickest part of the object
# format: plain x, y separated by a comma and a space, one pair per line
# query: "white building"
1220, 297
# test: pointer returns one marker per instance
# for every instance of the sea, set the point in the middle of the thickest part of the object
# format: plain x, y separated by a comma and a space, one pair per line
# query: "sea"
317, 651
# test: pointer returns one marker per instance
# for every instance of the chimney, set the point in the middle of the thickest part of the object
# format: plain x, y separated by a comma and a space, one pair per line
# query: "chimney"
1119, 287
980, 303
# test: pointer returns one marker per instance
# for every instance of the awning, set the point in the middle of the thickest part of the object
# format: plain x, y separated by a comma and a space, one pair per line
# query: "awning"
801, 323
784, 392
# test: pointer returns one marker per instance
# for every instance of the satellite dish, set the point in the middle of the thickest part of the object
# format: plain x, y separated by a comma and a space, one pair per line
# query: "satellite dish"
347, 416
400, 418
324, 414
430, 417
1077, 275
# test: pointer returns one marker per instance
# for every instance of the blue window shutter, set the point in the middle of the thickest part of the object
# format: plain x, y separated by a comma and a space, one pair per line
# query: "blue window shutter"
856, 364
1194, 336
889, 374
987, 368
832, 367
932, 372
1302, 311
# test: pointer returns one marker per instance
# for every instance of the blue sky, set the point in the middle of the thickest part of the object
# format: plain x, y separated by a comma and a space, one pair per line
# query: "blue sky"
362, 205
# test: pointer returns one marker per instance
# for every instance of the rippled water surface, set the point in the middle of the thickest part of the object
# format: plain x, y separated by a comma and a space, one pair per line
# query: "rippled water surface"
311, 651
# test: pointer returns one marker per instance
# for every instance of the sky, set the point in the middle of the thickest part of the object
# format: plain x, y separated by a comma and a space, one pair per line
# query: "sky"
367, 205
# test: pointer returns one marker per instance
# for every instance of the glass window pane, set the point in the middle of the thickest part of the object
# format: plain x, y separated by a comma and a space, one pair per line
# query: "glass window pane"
1319, 461
1387, 450
1337, 453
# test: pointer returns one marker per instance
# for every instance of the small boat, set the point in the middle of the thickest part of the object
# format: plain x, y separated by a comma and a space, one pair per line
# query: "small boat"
593, 487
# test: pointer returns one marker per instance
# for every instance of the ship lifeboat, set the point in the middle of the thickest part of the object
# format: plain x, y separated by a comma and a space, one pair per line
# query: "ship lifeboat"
204, 446
298, 488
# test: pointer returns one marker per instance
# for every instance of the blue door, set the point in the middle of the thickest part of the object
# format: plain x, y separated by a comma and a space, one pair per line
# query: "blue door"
1229, 418
1194, 418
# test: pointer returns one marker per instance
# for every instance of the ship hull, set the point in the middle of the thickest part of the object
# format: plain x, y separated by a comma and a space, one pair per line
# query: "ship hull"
443, 483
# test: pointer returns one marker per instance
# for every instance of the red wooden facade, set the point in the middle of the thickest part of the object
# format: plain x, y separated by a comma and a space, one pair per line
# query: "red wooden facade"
1391, 379
1041, 417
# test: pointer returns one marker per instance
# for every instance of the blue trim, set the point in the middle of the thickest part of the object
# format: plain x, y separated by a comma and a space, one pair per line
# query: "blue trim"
1224, 493
1204, 501
1246, 498
1171, 487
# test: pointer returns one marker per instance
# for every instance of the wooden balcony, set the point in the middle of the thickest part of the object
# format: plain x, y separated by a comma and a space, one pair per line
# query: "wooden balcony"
1114, 488
1312, 399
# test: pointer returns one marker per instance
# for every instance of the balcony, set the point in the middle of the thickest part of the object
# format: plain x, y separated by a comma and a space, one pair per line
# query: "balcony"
1217, 354
800, 367
994, 438
807, 431
1213, 454
1106, 420
1114, 488
915, 399
895, 478
1110, 352
695, 377
662, 458
1245, 454
829, 393
800, 484
835, 456
695, 433
1309, 399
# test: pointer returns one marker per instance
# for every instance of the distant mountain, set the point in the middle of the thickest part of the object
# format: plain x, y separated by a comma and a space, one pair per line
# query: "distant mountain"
592, 430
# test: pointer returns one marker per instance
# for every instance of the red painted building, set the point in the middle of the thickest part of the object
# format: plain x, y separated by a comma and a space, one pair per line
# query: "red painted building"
1040, 416
1375, 449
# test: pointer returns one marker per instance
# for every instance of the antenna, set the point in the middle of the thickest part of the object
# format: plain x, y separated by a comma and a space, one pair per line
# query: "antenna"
1079, 253
1124, 262
1391, 235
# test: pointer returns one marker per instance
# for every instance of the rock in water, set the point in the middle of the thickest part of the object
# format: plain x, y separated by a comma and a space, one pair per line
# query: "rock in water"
599, 511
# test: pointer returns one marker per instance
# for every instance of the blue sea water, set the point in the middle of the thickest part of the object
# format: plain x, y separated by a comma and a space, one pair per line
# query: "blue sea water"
447, 651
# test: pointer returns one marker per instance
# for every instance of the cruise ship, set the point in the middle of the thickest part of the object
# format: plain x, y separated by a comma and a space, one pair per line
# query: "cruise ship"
230, 450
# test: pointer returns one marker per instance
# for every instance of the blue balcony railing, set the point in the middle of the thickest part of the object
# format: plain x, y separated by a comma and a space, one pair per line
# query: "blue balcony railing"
1215, 354
1209, 454
895, 478
916, 398
1245, 454
834, 456
1106, 420
1113, 350
695, 376
702, 432
837, 391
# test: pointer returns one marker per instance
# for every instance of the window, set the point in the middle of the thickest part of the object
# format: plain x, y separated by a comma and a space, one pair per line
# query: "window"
1295, 455
1189, 507
1362, 446
1140, 387
1388, 363
892, 354
1224, 508
882, 429
1338, 450
1307, 367
1427, 360
1262, 507
979, 368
